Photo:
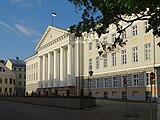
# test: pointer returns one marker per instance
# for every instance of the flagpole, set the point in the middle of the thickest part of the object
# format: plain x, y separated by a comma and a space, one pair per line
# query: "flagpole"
53, 14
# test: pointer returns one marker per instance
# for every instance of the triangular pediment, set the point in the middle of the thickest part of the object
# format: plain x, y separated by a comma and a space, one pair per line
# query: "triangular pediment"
49, 35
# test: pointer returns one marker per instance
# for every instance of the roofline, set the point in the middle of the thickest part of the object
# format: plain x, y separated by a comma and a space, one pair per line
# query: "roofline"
30, 57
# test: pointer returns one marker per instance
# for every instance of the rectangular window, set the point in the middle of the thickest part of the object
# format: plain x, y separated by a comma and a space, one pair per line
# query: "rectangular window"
97, 63
6, 81
147, 51
20, 69
147, 78
0, 90
36, 76
135, 79
113, 37
14, 68
5, 90
98, 83
14, 82
90, 45
135, 54
90, 83
105, 82
134, 30
10, 90
90, 64
123, 34
114, 59
20, 76
0, 80
124, 56
10, 81
146, 26
115, 81
24, 76
105, 61
20, 83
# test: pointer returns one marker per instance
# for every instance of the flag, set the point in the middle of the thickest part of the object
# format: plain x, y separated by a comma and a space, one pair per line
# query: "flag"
54, 14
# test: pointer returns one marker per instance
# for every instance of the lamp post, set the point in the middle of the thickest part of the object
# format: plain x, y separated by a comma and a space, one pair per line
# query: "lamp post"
90, 74
126, 100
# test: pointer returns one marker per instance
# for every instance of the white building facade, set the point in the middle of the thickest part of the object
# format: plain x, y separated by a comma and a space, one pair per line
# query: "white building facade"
64, 62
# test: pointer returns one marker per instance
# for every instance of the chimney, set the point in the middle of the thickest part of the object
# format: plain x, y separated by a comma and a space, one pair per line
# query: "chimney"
17, 58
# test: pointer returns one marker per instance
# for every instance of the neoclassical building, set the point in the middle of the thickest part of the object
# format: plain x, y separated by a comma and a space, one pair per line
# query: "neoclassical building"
62, 63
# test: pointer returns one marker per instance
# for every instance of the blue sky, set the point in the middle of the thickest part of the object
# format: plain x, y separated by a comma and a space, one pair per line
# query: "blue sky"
23, 22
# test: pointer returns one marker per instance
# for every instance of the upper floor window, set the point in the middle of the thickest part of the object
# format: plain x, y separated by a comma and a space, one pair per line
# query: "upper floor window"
2, 69
0, 80
147, 51
105, 61
10, 81
97, 62
113, 37
90, 45
124, 56
0, 90
146, 26
20, 76
14, 68
24, 76
134, 30
6, 81
123, 34
135, 79
90, 64
147, 78
114, 59
20, 69
135, 54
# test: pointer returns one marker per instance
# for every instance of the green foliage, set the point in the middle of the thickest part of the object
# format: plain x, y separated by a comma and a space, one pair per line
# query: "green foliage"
97, 15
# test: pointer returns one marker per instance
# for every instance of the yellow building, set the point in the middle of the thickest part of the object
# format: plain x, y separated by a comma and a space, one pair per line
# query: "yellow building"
7, 81
19, 68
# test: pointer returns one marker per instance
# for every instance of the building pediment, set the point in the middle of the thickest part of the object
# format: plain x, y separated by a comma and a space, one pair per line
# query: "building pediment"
50, 35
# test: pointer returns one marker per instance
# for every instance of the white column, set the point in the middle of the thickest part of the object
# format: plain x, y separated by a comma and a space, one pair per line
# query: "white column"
49, 66
62, 67
55, 69
44, 72
39, 72
69, 66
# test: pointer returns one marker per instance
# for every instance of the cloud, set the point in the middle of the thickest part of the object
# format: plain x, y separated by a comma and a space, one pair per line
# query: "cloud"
17, 1
39, 2
27, 31
26, 3
8, 26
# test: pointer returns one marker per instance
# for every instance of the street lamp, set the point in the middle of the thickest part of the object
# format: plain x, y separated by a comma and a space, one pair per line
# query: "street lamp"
126, 100
90, 74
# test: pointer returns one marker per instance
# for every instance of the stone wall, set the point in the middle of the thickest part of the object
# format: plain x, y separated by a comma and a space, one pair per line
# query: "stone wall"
64, 102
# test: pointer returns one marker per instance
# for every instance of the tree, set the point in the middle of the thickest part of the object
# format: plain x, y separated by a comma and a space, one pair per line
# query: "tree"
97, 15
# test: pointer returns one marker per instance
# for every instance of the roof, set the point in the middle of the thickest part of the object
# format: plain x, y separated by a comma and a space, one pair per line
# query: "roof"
6, 71
19, 63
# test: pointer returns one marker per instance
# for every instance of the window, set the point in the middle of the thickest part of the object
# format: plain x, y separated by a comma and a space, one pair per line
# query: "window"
147, 78
97, 63
20, 83
115, 82
2, 69
5, 90
113, 37
24, 69
10, 90
146, 26
135, 54
105, 82
20, 76
20, 69
24, 83
24, 76
114, 59
14, 82
105, 64
6, 81
124, 56
90, 64
134, 30
14, 68
123, 34
147, 51
0, 90
10, 81
0, 80
36, 76
98, 83
90, 83
90, 45
135, 79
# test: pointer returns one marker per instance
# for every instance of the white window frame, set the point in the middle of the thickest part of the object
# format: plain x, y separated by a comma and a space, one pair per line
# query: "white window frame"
134, 30
105, 61
90, 64
146, 26
123, 35
114, 59
98, 83
135, 79
114, 81
97, 63
135, 54
147, 51
124, 56
105, 82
